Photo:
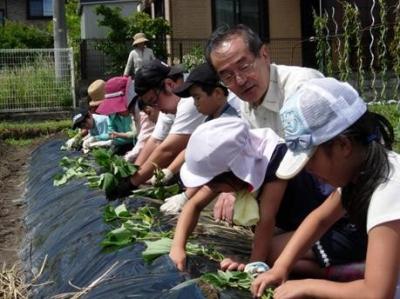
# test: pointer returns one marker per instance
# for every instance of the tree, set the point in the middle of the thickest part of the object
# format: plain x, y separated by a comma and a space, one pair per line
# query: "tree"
73, 23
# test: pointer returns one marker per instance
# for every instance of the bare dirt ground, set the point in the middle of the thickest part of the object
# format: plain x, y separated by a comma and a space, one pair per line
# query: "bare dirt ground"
13, 170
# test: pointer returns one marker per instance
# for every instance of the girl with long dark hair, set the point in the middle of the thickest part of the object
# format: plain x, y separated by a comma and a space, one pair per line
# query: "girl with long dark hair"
330, 132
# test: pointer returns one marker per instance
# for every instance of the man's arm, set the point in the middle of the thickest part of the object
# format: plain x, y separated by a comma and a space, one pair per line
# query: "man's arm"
163, 155
159, 134
145, 152
177, 163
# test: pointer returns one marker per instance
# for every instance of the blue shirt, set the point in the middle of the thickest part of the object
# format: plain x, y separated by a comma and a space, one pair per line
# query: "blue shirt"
227, 110
100, 127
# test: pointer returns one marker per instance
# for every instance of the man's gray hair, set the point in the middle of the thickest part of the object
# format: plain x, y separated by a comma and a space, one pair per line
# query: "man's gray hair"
225, 33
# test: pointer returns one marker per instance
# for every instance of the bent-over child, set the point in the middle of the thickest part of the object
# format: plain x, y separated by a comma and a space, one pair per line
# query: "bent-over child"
97, 127
224, 155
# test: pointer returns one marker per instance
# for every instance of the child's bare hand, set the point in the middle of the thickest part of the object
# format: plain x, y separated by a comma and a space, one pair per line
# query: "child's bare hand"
113, 135
223, 208
273, 277
231, 265
178, 256
291, 289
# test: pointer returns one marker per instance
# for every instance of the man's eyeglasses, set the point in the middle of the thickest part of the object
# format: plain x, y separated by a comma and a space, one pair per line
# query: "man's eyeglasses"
244, 70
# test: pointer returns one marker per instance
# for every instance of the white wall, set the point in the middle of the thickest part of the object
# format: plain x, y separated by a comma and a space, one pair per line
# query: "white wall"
89, 26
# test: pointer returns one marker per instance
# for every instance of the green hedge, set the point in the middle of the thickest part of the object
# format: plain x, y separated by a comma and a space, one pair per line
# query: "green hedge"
15, 35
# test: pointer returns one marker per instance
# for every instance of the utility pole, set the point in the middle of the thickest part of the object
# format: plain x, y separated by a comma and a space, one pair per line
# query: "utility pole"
60, 38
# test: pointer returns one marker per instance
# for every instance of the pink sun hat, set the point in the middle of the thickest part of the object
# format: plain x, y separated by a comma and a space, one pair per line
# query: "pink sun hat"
119, 93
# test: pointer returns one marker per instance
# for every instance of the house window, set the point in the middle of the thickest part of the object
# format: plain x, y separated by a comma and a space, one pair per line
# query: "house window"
253, 13
2, 18
40, 9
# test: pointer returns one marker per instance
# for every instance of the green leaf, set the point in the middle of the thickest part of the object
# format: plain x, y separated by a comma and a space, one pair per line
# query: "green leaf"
163, 246
156, 248
171, 190
66, 162
109, 213
108, 181
73, 168
138, 224
59, 179
233, 279
160, 192
122, 211
94, 181
102, 157
119, 237
146, 192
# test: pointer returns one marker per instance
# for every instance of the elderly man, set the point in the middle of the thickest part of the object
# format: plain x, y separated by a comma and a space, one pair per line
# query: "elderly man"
243, 63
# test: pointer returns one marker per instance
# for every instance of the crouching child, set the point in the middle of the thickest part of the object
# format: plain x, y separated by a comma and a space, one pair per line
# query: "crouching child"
224, 155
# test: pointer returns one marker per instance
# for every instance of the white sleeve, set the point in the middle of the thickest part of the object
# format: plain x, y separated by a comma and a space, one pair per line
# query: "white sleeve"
163, 126
129, 64
187, 117
234, 101
293, 77
385, 203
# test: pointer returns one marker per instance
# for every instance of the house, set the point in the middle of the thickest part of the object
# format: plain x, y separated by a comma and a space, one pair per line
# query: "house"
286, 25
93, 62
33, 12
89, 18
283, 24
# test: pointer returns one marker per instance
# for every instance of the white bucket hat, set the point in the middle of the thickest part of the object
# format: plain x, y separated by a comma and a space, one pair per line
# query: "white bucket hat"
318, 111
228, 144
139, 38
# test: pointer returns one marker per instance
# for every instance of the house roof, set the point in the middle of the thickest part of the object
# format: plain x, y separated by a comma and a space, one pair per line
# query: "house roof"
100, 1
88, 2
82, 2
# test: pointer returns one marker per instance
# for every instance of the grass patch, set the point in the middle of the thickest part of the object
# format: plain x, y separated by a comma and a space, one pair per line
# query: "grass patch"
34, 85
20, 142
392, 113
14, 131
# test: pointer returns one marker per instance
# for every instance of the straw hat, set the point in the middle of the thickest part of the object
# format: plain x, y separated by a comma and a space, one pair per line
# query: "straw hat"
139, 38
96, 92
